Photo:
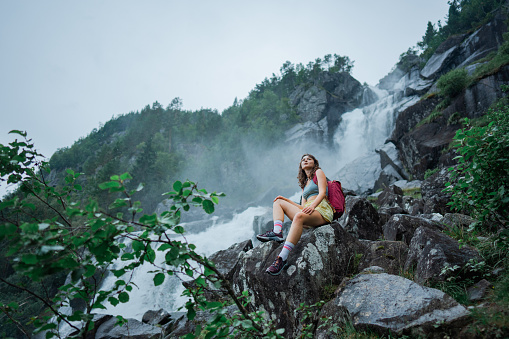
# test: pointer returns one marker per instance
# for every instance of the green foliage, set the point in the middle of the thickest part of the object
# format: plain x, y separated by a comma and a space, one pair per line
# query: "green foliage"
83, 239
493, 65
453, 83
483, 168
430, 172
463, 16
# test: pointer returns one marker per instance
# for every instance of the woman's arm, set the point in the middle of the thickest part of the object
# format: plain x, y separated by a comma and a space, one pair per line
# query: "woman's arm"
322, 191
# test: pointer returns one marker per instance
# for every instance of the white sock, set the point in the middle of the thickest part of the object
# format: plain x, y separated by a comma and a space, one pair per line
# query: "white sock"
278, 226
287, 248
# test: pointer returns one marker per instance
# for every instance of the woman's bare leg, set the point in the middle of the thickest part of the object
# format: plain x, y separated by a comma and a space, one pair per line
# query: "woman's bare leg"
282, 207
299, 220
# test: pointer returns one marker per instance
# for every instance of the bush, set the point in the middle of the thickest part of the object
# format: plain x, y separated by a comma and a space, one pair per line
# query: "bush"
483, 169
453, 83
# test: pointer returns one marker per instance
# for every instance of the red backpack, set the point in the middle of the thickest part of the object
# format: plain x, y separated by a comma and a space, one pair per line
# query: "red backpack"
335, 195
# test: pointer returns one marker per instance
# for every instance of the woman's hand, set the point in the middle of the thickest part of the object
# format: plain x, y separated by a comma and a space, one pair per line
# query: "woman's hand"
308, 210
280, 197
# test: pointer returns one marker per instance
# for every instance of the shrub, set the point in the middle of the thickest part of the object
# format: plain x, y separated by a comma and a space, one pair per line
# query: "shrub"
453, 83
483, 169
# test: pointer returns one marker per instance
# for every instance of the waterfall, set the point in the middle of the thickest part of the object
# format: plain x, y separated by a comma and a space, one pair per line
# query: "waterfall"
216, 235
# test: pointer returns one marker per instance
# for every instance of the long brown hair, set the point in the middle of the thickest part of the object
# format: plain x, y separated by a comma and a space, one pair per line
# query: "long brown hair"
302, 177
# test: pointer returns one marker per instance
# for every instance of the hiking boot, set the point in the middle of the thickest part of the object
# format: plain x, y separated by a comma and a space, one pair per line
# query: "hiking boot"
270, 235
277, 266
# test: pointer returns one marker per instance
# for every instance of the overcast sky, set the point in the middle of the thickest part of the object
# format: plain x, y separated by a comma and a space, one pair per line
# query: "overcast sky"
67, 66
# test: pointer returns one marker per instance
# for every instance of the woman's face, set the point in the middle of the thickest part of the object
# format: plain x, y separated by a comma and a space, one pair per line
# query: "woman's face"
307, 162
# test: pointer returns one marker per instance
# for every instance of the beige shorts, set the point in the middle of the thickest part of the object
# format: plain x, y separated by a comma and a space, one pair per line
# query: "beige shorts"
324, 208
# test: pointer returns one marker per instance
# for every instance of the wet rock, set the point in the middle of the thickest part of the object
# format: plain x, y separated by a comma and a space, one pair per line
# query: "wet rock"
435, 198
479, 291
159, 317
132, 329
225, 260
323, 256
431, 251
443, 59
360, 174
389, 304
389, 255
361, 219
402, 227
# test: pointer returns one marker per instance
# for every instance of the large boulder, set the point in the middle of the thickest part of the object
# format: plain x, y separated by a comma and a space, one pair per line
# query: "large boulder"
401, 227
389, 304
131, 329
226, 260
389, 255
432, 190
322, 257
431, 252
361, 219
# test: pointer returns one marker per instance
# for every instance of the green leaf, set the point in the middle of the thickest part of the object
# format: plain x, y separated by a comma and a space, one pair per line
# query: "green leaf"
29, 259
158, 279
7, 229
177, 186
114, 301
123, 297
179, 229
208, 206
125, 176
15, 131
109, 184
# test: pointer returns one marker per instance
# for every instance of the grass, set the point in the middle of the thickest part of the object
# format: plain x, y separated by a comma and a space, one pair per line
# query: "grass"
413, 192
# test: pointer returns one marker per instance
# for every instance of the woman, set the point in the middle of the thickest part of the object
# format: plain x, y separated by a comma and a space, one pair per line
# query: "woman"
314, 210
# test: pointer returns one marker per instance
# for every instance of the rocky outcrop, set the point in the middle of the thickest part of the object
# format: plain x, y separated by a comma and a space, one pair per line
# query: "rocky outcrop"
323, 256
131, 329
401, 227
388, 304
422, 146
361, 219
431, 251
389, 255
323, 103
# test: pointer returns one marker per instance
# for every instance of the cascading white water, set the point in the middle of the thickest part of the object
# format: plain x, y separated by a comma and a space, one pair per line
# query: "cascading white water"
216, 236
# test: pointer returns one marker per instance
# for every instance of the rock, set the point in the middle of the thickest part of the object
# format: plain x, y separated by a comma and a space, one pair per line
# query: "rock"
98, 320
225, 260
389, 304
435, 198
479, 291
328, 98
306, 132
401, 227
404, 184
389, 255
386, 213
389, 156
372, 270
361, 219
457, 219
360, 174
132, 329
431, 251
184, 326
391, 196
323, 256
443, 59
160, 317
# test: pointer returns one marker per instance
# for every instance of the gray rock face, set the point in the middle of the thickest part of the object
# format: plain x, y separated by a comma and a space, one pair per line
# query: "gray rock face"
389, 255
328, 98
225, 260
361, 219
323, 256
479, 291
387, 303
432, 192
360, 174
132, 329
401, 227
430, 251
